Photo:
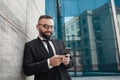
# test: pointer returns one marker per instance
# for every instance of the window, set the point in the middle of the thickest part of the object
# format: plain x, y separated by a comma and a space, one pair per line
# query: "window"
84, 21
87, 27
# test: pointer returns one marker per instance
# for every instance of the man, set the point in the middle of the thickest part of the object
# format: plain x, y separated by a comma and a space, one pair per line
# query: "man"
45, 58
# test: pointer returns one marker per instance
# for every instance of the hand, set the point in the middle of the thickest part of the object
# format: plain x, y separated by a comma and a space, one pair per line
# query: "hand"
56, 60
66, 59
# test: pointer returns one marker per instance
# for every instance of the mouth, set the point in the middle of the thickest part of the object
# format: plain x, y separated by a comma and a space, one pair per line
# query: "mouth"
48, 32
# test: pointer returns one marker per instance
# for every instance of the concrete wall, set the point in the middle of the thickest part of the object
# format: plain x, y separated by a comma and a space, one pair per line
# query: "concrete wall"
18, 19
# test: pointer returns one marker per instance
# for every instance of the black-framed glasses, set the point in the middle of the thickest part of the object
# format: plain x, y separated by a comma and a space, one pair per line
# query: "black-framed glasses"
47, 26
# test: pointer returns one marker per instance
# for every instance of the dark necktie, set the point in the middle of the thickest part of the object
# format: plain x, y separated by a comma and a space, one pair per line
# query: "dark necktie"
49, 48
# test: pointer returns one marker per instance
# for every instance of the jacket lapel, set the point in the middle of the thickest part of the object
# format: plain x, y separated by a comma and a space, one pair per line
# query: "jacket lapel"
42, 47
56, 46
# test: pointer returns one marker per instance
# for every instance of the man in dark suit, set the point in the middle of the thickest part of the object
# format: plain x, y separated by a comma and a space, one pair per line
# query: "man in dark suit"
45, 58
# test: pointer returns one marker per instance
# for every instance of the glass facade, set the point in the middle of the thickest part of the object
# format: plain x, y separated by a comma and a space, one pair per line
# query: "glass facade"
89, 29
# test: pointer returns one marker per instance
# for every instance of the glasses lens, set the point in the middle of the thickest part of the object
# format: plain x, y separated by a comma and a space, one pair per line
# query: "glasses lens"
47, 26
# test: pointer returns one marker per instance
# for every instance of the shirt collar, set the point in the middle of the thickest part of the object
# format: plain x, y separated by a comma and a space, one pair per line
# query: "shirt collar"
41, 38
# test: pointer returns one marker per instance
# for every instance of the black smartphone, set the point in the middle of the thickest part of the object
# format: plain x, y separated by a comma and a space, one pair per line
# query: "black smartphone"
66, 51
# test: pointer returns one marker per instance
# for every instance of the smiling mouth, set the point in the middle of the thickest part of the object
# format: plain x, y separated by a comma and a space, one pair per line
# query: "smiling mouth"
48, 32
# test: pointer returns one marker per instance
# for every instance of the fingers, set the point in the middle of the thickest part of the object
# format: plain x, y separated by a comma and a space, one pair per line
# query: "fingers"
56, 60
67, 55
66, 59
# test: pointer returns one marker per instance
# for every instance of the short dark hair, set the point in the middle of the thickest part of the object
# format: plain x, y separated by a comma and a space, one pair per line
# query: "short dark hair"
44, 16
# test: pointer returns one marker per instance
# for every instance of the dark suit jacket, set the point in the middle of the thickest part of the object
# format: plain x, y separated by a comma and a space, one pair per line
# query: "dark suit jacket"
35, 60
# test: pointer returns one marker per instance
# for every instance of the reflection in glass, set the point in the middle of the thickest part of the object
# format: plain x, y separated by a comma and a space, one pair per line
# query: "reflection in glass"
90, 31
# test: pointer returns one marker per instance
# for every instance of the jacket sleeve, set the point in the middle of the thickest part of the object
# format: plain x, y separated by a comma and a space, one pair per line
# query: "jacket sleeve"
30, 67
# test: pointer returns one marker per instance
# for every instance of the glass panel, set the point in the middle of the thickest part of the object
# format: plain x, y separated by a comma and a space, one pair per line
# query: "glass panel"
89, 28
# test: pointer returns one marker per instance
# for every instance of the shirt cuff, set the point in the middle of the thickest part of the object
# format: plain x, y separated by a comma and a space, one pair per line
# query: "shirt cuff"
49, 66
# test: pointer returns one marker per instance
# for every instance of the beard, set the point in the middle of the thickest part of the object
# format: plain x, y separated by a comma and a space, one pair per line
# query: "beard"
44, 35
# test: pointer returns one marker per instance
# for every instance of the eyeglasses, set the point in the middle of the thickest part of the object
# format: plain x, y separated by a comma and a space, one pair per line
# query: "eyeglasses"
47, 26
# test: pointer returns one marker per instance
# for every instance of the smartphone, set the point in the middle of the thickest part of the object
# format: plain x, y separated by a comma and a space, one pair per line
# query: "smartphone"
66, 51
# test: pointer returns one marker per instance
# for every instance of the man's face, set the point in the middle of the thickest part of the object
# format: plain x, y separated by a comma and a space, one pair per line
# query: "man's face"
45, 28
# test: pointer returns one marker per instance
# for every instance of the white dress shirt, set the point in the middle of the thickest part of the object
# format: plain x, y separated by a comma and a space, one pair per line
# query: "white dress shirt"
45, 44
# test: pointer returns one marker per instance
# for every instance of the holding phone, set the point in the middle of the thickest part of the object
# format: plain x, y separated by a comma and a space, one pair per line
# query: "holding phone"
66, 56
66, 52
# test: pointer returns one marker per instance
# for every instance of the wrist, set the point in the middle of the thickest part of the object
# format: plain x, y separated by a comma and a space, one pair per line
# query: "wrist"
48, 61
